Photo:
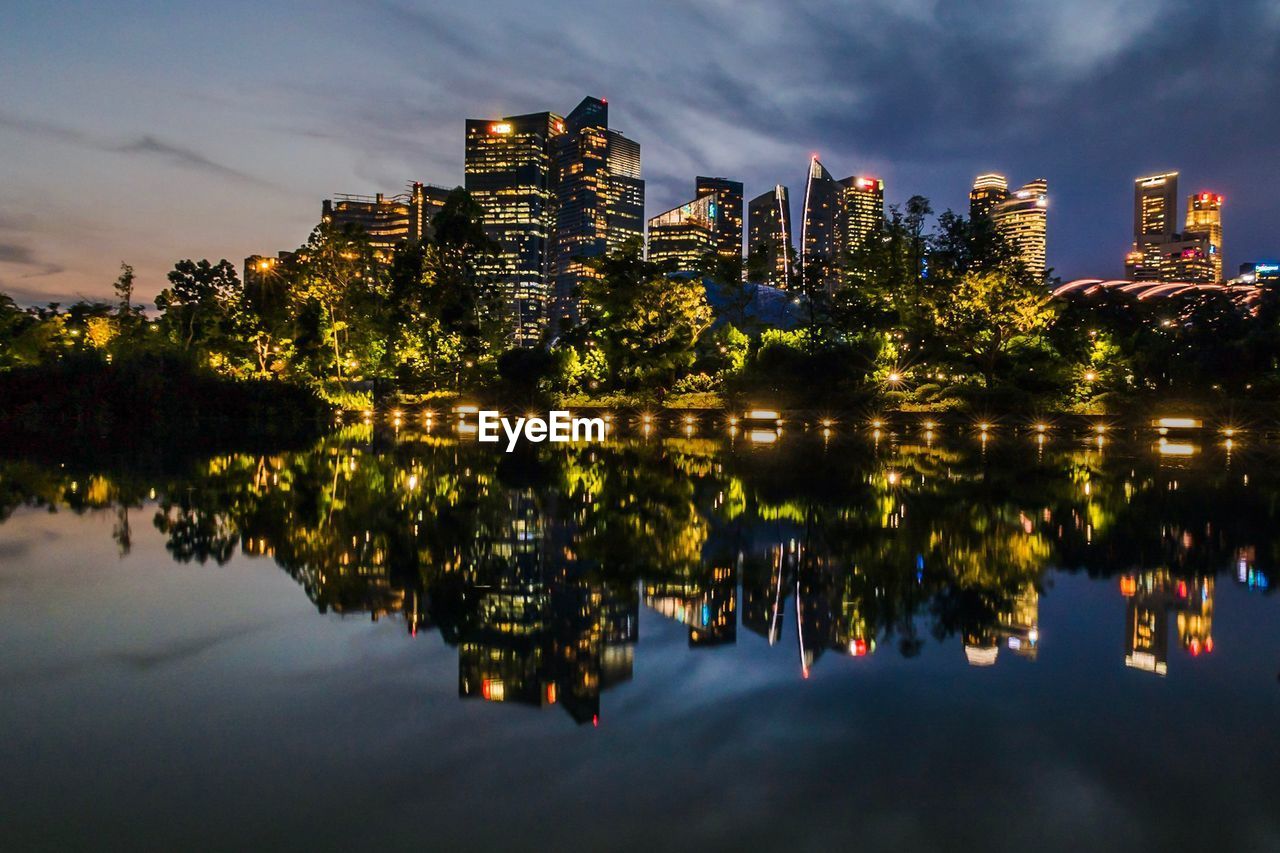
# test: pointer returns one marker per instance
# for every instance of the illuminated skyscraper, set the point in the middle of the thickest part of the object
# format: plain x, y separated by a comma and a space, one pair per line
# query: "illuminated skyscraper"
1204, 220
818, 246
861, 212
510, 173
1022, 218
599, 199
769, 234
1155, 220
729, 213
684, 235
988, 192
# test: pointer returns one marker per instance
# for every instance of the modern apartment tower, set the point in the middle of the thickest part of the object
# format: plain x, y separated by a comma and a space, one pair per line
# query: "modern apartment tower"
988, 192
818, 229
510, 172
684, 235
1022, 219
1020, 216
600, 201
728, 196
769, 235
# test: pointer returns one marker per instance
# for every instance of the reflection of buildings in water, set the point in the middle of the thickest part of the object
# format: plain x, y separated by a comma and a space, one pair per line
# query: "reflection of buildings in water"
1152, 596
831, 603
764, 593
1017, 627
708, 606
1247, 572
539, 632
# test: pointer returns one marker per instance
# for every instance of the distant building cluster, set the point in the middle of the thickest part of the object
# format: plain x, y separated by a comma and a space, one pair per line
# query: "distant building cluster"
559, 191
1162, 253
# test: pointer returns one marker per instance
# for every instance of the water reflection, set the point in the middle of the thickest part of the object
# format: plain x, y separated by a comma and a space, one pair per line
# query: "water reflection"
535, 565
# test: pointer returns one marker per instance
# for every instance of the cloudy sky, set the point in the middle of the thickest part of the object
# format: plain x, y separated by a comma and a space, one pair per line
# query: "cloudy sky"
149, 132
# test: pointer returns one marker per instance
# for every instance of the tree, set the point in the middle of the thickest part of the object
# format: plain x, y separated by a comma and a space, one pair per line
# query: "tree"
338, 274
645, 321
198, 301
124, 289
982, 317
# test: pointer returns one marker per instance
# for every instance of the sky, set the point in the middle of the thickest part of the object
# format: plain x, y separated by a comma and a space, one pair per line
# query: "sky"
149, 132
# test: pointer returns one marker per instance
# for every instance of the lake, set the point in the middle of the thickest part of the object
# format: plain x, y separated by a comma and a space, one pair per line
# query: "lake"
680, 638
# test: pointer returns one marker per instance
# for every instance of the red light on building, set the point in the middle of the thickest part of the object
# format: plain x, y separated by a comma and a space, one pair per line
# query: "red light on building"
1182, 589
866, 183
859, 648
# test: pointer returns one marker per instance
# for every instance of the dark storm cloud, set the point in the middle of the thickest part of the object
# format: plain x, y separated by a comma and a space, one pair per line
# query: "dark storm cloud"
1088, 94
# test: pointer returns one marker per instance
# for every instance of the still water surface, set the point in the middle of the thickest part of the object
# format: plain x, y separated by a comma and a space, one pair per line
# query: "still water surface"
402, 640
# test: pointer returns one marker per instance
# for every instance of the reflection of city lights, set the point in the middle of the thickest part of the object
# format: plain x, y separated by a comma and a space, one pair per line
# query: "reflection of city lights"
1169, 448
763, 436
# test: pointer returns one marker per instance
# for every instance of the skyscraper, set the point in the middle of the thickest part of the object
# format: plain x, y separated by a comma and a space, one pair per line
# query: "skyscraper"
861, 212
769, 235
1022, 218
1155, 216
729, 213
511, 174
988, 191
818, 248
685, 234
600, 199
1204, 220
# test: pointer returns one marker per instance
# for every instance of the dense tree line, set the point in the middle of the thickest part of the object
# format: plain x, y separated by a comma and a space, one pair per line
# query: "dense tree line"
934, 312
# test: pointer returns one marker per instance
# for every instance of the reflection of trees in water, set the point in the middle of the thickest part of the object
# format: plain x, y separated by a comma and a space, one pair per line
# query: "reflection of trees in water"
532, 561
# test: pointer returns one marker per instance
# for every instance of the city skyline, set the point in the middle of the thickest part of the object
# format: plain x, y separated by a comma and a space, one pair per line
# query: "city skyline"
209, 137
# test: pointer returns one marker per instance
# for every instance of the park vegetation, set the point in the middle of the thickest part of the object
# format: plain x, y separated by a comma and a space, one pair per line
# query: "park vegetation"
934, 313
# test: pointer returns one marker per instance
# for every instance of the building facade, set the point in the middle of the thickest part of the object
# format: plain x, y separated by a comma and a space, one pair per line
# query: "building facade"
510, 172
988, 192
1204, 221
1159, 252
769, 236
818, 227
1022, 219
599, 201
684, 235
728, 196
861, 213
1155, 221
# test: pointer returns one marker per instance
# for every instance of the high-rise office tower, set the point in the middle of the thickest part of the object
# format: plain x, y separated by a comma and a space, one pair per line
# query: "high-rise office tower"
510, 172
1204, 220
861, 212
769, 235
729, 213
988, 191
1155, 220
1022, 219
599, 200
684, 235
818, 248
